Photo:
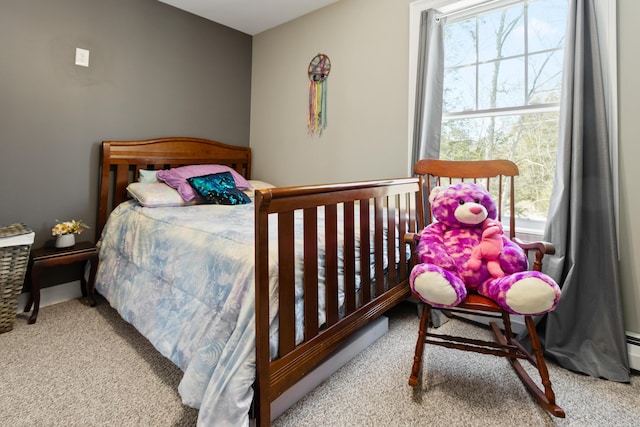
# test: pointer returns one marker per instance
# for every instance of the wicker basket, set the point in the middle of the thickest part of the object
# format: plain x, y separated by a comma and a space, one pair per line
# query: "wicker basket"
15, 245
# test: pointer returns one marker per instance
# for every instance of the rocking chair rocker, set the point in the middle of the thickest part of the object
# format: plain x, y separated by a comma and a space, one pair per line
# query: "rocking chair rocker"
498, 177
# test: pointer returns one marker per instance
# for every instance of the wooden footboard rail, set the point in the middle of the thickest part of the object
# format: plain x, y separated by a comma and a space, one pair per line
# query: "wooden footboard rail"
385, 209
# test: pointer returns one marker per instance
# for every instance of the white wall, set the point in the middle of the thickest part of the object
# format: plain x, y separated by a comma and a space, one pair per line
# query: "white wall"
366, 136
629, 129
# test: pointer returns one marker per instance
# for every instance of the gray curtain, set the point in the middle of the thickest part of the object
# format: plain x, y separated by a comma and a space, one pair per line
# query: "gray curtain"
428, 108
585, 333
429, 83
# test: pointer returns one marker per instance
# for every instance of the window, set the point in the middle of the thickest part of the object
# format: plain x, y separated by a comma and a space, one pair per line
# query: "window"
502, 83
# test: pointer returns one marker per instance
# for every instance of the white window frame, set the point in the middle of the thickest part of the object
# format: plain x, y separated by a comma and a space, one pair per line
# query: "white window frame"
606, 17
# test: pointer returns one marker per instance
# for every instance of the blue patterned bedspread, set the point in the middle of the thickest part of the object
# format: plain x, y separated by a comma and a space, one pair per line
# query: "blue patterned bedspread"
184, 277
189, 289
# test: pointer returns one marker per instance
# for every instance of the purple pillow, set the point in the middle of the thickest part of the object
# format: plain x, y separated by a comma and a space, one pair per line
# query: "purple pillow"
177, 177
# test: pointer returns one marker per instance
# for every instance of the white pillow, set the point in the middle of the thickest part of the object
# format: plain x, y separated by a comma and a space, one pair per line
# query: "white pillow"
147, 176
257, 185
260, 185
156, 194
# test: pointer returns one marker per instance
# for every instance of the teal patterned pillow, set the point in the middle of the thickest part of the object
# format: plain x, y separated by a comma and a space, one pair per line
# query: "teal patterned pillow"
219, 188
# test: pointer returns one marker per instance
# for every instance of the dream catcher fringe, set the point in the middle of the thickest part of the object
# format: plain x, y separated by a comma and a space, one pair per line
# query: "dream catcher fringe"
317, 120
319, 68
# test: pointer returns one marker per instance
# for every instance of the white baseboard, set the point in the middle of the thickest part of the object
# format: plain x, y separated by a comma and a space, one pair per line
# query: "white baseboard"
53, 295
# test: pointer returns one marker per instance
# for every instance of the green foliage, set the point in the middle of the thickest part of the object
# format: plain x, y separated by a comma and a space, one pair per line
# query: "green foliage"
528, 140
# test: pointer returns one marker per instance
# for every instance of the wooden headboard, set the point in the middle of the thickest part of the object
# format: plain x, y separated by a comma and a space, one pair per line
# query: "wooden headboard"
120, 162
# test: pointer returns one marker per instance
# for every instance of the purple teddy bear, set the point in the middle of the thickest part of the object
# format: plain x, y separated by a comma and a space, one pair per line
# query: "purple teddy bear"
443, 274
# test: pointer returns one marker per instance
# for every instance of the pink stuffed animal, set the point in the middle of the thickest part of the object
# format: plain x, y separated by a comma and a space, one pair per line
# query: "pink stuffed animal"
489, 248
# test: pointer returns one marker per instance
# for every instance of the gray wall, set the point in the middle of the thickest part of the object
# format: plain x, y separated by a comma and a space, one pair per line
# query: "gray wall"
154, 71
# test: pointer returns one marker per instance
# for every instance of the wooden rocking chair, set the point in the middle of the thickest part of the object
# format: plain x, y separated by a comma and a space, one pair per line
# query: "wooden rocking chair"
498, 177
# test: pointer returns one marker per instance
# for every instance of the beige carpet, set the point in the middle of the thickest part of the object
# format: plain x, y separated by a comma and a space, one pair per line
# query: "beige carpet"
457, 389
82, 366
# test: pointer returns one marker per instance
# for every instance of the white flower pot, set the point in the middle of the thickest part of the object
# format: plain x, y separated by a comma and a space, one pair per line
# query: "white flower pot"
65, 240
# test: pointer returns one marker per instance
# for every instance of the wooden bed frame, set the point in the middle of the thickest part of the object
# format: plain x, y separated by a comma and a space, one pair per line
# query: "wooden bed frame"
394, 203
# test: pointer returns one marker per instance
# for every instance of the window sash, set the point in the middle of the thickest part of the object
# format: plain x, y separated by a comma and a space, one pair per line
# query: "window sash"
505, 111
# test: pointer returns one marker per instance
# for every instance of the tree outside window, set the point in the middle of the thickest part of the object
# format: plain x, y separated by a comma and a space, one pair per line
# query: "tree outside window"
502, 83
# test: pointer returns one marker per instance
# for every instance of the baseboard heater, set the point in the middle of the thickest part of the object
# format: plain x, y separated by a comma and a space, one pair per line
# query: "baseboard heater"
633, 348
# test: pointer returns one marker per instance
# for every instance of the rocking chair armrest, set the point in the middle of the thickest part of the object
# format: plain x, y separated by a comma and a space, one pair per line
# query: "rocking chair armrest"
541, 249
546, 248
411, 238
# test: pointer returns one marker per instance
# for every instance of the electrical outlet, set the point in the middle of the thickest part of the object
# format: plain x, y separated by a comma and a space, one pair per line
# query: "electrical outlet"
82, 57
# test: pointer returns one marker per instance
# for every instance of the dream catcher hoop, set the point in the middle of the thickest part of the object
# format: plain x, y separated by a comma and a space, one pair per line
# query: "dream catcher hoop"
318, 71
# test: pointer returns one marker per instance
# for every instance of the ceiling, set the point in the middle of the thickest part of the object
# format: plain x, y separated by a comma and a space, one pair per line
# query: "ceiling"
249, 16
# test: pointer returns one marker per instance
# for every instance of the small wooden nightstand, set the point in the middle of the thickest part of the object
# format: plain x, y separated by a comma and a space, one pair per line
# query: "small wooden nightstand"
49, 257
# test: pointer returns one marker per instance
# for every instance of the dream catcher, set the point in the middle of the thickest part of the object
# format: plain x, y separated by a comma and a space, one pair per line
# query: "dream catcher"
319, 68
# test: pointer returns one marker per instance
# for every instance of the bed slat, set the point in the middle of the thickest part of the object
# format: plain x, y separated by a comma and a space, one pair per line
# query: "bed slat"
404, 208
365, 248
379, 247
391, 231
349, 258
122, 180
331, 263
286, 266
311, 265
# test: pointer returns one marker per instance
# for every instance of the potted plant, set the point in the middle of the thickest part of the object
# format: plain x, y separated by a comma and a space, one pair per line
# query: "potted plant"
66, 231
